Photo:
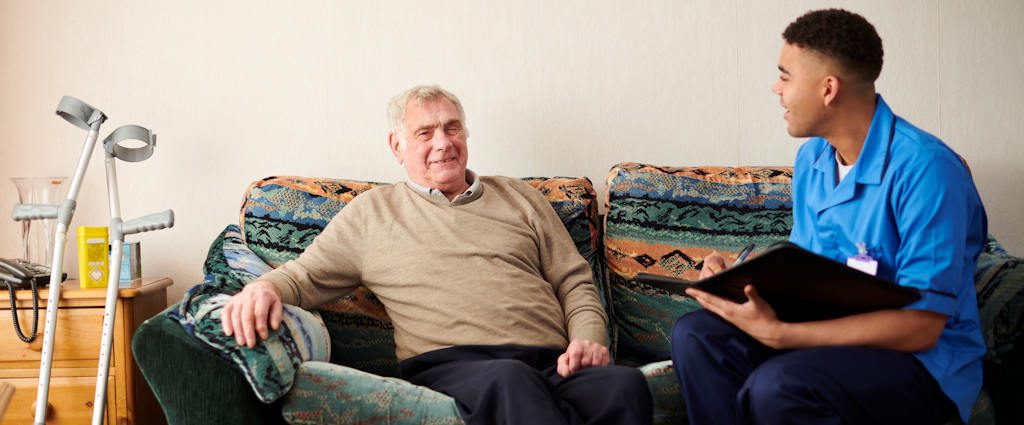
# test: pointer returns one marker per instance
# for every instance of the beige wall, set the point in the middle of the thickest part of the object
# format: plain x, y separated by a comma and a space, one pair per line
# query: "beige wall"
241, 90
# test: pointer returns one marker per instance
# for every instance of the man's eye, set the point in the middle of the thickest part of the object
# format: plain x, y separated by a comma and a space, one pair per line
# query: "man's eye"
453, 130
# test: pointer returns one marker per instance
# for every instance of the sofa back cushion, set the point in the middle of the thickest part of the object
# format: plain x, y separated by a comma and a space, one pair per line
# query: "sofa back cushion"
281, 216
665, 220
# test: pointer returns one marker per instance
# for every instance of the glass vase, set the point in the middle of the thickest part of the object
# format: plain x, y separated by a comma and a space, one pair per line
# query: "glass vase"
37, 235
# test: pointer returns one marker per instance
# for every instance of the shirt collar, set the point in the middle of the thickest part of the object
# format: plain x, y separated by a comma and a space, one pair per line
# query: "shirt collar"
471, 178
870, 165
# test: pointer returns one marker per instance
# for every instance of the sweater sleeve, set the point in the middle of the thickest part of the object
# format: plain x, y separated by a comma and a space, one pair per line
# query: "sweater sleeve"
569, 275
329, 268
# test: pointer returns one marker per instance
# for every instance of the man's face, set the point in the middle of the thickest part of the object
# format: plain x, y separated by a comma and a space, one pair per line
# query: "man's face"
434, 150
801, 90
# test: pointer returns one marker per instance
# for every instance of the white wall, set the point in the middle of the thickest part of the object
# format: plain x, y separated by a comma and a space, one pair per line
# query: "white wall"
242, 90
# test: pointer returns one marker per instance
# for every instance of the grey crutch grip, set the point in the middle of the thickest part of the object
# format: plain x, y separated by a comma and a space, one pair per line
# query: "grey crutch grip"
34, 212
156, 221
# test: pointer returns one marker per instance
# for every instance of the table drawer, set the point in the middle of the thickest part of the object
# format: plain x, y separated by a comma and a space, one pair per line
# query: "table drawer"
77, 339
70, 399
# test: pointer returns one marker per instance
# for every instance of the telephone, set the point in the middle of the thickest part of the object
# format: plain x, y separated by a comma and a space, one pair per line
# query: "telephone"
21, 274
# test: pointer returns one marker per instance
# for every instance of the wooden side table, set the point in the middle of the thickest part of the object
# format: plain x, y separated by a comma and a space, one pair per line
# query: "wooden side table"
76, 354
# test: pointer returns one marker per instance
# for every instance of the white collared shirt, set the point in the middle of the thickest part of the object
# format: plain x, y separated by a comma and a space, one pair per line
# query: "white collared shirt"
471, 178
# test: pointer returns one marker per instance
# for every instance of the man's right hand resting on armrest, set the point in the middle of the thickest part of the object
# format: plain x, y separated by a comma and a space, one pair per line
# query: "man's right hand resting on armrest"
248, 312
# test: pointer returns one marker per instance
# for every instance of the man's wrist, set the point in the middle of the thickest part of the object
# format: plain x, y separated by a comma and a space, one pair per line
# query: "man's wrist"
267, 284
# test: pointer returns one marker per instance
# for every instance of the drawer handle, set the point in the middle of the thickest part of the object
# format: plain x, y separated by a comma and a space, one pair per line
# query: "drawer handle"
49, 411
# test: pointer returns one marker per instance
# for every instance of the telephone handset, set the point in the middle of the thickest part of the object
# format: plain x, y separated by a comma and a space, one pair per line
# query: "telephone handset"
21, 274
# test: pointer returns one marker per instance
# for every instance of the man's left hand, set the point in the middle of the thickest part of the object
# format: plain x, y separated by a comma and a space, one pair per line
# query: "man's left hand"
582, 354
755, 317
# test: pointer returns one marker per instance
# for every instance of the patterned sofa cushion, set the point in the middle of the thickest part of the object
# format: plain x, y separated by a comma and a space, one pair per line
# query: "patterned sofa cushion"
999, 281
282, 215
327, 393
665, 220
270, 366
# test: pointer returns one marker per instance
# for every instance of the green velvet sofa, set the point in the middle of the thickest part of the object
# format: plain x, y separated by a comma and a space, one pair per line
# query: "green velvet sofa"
337, 365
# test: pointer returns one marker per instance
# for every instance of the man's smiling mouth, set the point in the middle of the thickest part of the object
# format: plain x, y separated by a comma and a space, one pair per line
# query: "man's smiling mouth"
443, 161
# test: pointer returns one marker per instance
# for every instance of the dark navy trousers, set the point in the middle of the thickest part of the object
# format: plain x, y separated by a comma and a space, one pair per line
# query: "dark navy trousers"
517, 385
727, 377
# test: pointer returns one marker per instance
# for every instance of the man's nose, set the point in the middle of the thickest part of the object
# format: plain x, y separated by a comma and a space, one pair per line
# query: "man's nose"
776, 88
441, 140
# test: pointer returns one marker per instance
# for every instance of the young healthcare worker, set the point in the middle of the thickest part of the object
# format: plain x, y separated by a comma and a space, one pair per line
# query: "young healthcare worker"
873, 190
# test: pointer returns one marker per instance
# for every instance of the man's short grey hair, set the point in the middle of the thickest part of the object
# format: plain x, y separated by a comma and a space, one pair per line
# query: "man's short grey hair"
396, 107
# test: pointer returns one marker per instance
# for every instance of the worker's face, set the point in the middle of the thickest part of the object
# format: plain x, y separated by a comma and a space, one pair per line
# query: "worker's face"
802, 90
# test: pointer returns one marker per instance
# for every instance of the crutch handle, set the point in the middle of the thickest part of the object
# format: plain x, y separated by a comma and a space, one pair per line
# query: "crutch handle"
155, 221
34, 212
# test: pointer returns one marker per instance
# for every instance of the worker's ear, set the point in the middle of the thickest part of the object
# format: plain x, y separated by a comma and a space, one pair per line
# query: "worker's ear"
830, 86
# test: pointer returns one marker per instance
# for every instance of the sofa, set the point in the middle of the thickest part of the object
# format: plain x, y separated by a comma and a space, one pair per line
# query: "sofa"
337, 364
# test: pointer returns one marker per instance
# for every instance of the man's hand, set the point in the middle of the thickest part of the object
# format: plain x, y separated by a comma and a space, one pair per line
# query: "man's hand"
755, 317
248, 312
713, 264
582, 354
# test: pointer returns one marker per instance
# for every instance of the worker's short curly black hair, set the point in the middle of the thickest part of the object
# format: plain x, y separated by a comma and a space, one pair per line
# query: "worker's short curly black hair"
842, 35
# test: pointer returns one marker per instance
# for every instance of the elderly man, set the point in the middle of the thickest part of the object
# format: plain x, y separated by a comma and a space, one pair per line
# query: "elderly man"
491, 302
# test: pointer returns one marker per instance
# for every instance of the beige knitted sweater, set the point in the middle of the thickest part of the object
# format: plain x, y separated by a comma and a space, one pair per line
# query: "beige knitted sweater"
496, 267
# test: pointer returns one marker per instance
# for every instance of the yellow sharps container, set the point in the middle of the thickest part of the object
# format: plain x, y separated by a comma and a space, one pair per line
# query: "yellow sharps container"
92, 256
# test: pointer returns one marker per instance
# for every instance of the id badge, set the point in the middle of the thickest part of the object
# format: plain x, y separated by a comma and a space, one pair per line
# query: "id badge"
862, 261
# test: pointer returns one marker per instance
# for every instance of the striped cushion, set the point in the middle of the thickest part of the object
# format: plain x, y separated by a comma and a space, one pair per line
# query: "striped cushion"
665, 220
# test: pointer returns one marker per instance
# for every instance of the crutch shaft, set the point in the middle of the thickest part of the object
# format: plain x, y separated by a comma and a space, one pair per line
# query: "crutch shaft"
51, 325
56, 270
109, 314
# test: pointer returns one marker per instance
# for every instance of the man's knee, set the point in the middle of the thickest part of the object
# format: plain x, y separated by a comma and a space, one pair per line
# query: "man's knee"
776, 387
610, 394
629, 380
622, 378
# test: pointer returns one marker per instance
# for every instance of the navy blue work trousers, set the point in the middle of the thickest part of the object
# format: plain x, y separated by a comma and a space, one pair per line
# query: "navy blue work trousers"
517, 385
728, 377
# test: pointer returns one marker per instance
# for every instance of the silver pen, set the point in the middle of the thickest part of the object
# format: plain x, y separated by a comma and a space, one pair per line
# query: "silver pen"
743, 254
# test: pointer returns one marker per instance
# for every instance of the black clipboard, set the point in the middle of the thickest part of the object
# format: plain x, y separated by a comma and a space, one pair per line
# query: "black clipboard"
799, 284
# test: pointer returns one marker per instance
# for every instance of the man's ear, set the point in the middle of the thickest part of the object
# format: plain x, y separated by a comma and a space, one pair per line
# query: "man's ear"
830, 89
396, 146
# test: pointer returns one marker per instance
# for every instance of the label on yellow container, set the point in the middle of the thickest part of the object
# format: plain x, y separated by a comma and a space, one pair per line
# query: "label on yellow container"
92, 256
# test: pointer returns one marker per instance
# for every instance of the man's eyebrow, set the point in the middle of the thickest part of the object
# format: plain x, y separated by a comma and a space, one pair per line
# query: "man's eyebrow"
783, 70
435, 125
425, 127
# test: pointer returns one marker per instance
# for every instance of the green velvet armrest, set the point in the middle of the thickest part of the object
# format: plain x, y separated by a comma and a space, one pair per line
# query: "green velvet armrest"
192, 383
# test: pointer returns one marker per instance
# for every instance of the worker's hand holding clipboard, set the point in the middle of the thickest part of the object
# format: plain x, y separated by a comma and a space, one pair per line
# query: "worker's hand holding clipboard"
798, 284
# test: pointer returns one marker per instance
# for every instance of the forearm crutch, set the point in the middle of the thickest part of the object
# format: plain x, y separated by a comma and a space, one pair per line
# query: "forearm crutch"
87, 118
118, 229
